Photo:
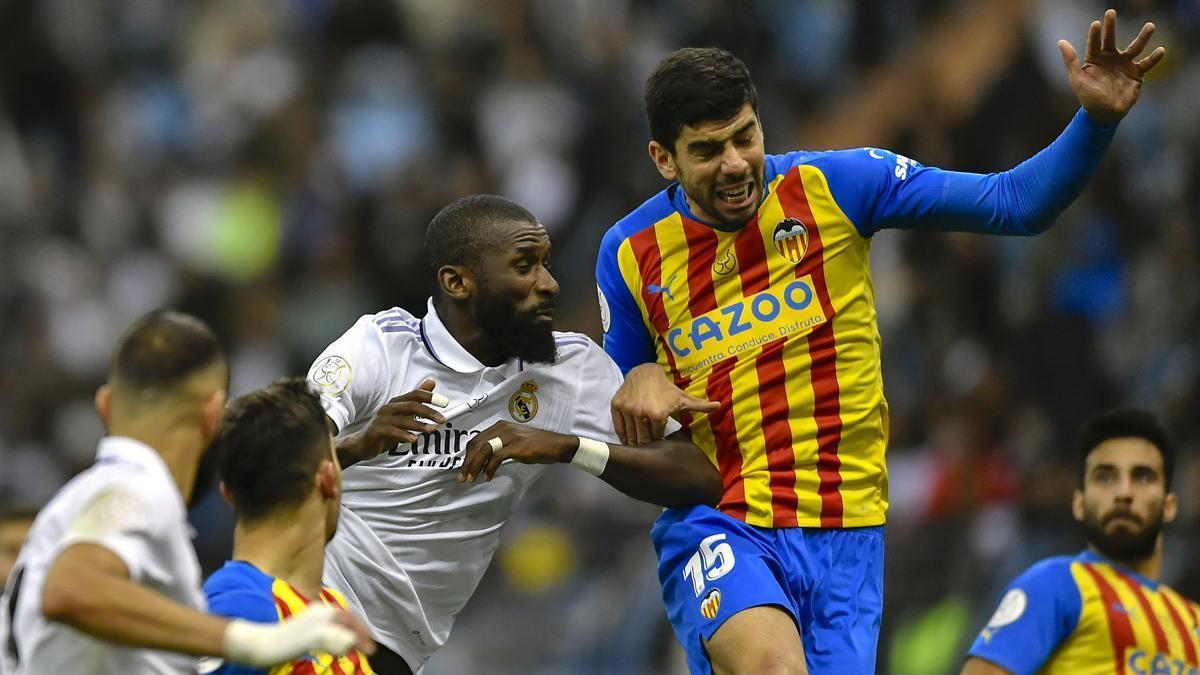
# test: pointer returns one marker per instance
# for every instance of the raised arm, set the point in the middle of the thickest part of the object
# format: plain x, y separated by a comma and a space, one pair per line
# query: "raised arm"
1026, 199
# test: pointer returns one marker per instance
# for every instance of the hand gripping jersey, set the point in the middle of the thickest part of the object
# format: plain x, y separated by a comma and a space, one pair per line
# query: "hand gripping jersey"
240, 590
412, 542
777, 320
1084, 615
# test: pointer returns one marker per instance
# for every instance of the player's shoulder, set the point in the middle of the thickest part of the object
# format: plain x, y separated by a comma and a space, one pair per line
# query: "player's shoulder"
393, 322
650, 212
237, 575
1049, 576
240, 589
856, 161
573, 346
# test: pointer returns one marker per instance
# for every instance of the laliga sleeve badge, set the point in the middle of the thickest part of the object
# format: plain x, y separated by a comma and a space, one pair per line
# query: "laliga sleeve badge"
331, 375
605, 312
711, 604
791, 240
523, 405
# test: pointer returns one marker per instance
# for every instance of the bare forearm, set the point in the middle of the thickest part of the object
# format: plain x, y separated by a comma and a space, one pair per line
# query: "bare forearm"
116, 609
668, 473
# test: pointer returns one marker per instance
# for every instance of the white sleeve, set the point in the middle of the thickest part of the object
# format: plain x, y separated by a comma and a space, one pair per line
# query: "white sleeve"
123, 520
351, 374
599, 380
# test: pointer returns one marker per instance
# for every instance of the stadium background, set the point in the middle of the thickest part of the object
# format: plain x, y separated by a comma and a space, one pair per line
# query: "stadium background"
270, 165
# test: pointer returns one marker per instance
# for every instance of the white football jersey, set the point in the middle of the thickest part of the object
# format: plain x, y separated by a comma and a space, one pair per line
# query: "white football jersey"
412, 542
128, 503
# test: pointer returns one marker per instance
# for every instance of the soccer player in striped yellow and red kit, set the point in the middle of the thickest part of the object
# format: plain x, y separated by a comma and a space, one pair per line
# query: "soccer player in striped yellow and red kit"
280, 473
742, 293
1103, 610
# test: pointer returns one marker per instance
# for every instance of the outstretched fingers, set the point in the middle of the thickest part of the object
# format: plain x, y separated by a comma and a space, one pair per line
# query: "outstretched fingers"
1108, 39
1070, 57
1145, 64
1139, 42
1091, 52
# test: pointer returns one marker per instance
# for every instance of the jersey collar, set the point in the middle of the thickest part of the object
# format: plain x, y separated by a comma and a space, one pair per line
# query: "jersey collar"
1090, 556
123, 449
443, 347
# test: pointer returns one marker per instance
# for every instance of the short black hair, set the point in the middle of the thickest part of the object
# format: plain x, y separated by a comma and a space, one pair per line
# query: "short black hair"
270, 445
1125, 422
461, 232
160, 350
693, 85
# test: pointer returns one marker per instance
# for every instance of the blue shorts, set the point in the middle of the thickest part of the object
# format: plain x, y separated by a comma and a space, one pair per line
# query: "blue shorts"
830, 581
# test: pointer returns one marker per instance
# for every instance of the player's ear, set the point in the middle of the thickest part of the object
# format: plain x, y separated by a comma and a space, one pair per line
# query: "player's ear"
456, 282
1077, 506
664, 161
327, 479
104, 404
210, 414
225, 493
1170, 508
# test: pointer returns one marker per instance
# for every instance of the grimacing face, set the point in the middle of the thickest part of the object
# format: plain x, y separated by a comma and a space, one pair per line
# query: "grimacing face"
1124, 501
721, 165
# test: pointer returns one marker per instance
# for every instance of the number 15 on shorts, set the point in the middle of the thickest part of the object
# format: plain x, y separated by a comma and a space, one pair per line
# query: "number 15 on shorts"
713, 560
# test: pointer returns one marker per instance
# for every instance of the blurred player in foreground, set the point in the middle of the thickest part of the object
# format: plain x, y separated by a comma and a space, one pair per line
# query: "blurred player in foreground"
429, 489
14, 527
279, 472
108, 581
1104, 610
744, 287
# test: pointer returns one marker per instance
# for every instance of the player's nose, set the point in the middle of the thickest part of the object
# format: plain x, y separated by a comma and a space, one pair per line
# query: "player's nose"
732, 162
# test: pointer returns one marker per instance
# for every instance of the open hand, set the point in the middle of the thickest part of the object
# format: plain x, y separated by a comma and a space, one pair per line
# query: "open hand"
644, 402
1110, 79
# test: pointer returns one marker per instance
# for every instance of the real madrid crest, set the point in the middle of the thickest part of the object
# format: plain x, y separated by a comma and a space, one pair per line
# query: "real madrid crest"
523, 404
791, 239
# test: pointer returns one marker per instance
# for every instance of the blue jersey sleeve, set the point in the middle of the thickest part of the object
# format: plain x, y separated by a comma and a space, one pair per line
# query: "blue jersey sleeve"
878, 189
625, 336
1038, 611
236, 596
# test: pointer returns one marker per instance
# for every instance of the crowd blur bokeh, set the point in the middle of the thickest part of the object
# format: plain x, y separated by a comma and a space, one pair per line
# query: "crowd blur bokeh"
270, 165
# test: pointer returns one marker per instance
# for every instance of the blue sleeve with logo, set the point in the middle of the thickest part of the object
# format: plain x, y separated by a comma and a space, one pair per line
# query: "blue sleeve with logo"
877, 189
234, 594
1038, 611
625, 336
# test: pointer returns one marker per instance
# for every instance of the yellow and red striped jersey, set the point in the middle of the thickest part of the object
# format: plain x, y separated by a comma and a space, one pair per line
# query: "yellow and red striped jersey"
777, 322
241, 590
1085, 615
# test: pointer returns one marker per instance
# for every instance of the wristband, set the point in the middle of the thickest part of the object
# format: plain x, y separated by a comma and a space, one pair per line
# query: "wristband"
592, 456
264, 645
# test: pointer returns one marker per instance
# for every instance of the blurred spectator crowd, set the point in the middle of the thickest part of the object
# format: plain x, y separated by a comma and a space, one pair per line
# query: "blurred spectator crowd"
270, 165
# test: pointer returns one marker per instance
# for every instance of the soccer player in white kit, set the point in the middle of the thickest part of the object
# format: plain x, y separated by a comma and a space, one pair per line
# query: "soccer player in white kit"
108, 581
430, 408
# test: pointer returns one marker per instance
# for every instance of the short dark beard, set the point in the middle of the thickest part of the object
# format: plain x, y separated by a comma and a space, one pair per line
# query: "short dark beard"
1123, 545
516, 333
